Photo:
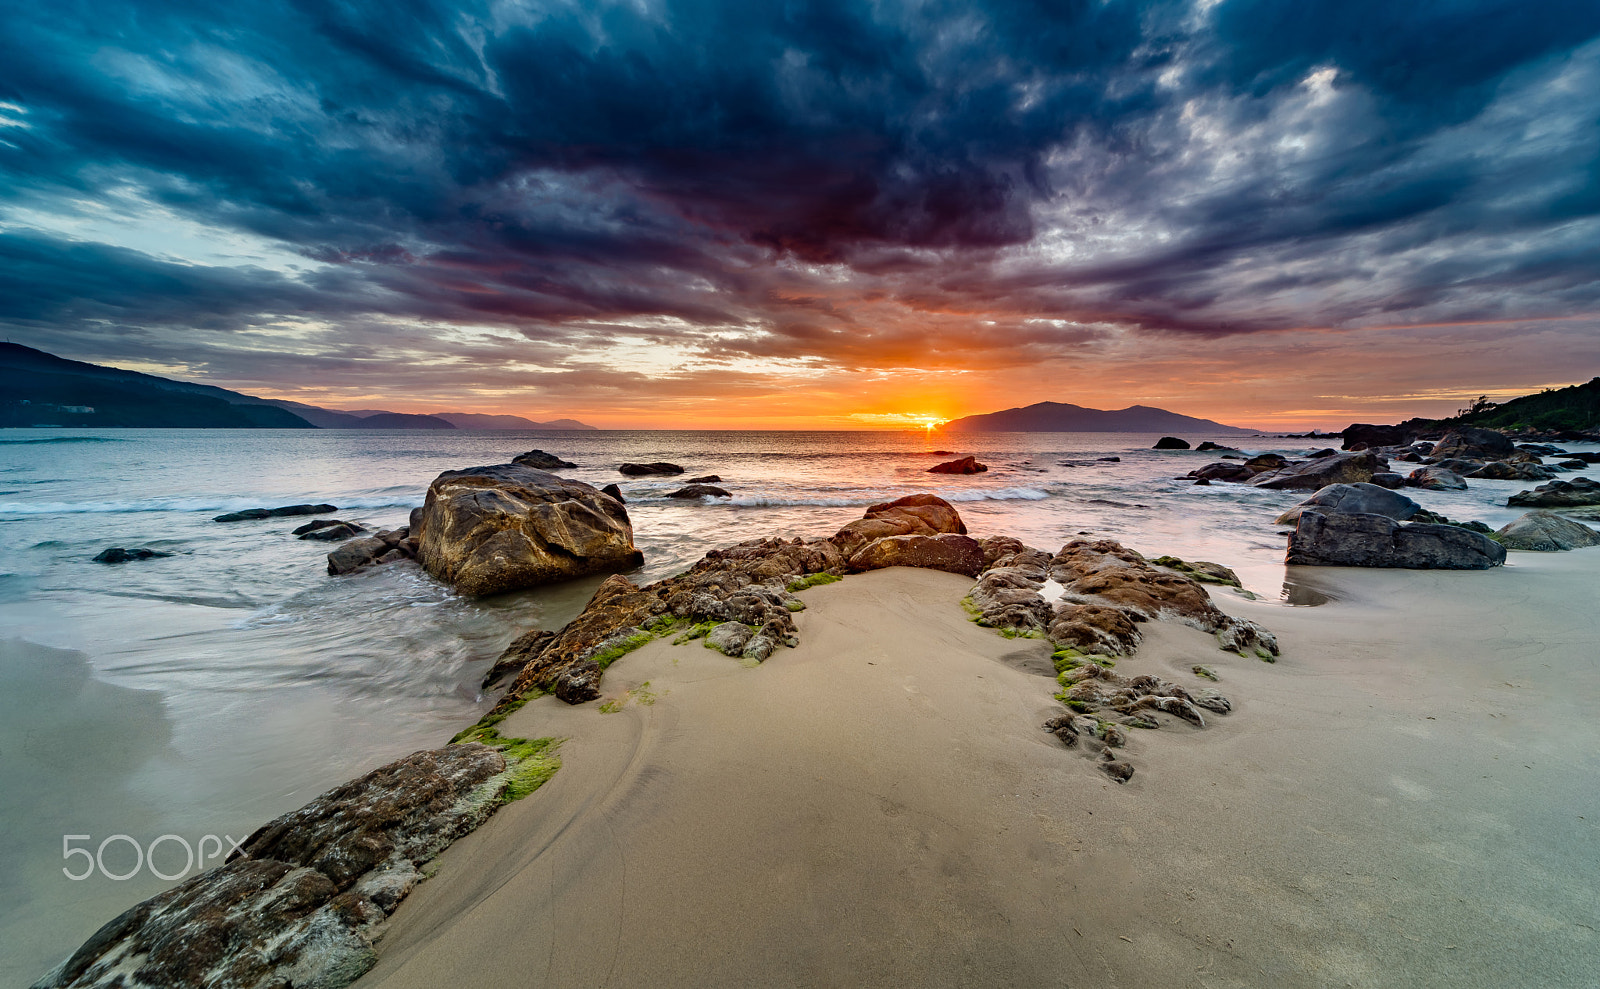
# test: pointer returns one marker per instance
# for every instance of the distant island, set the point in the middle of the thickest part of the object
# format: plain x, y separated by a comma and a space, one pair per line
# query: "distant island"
1059, 417
40, 389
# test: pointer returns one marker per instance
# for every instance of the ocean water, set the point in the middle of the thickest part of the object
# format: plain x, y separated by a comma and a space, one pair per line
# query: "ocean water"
202, 694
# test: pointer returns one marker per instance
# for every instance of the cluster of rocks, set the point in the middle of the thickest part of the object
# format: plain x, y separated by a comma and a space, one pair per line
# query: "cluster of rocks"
387, 546
747, 585
1106, 592
1456, 456
329, 530
301, 901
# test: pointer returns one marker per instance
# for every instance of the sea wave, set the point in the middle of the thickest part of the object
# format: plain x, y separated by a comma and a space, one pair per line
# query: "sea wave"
63, 439
196, 504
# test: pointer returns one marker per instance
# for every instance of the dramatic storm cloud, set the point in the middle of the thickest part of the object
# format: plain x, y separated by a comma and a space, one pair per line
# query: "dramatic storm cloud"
718, 211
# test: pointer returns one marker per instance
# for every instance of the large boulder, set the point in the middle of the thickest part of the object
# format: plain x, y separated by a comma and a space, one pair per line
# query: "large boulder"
913, 515
1341, 468
1171, 443
486, 530
1470, 441
1379, 541
1546, 532
1436, 478
966, 465
947, 551
1354, 499
1361, 432
1558, 494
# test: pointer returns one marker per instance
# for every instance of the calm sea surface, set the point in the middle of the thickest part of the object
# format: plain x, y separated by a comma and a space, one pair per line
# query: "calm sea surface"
205, 693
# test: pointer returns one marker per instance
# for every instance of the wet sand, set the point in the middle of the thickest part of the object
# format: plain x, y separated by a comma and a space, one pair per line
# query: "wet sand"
1407, 798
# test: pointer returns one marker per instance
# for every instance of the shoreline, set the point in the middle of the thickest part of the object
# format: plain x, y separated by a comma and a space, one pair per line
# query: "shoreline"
910, 621
1339, 827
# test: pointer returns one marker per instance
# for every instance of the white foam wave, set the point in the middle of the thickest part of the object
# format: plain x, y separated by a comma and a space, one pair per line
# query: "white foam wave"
194, 504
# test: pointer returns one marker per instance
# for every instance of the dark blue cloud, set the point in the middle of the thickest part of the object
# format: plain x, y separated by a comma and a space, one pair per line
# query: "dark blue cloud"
559, 167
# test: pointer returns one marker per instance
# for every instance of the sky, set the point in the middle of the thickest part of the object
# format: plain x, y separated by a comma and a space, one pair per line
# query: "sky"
718, 213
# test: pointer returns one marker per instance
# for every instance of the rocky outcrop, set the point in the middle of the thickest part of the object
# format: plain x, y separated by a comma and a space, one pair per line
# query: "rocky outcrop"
1502, 470
487, 530
1546, 532
946, 551
913, 515
1354, 499
1210, 447
1341, 468
1436, 478
700, 491
304, 898
251, 514
1375, 436
966, 465
746, 583
389, 546
612, 491
1386, 479
1558, 494
641, 470
329, 530
1379, 541
707, 479
1171, 443
1470, 441
539, 460
118, 554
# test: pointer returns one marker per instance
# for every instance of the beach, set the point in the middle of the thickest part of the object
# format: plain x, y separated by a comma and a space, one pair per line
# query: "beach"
878, 805
1404, 798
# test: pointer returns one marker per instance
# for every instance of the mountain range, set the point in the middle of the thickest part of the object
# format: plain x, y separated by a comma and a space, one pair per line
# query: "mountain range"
1059, 417
40, 389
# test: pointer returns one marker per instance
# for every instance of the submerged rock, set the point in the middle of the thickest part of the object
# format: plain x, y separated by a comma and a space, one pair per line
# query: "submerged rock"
1546, 532
118, 554
1379, 541
641, 470
700, 491
487, 530
539, 460
356, 554
707, 479
966, 465
330, 530
1558, 494
1436, 478
250, 514
301, 903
